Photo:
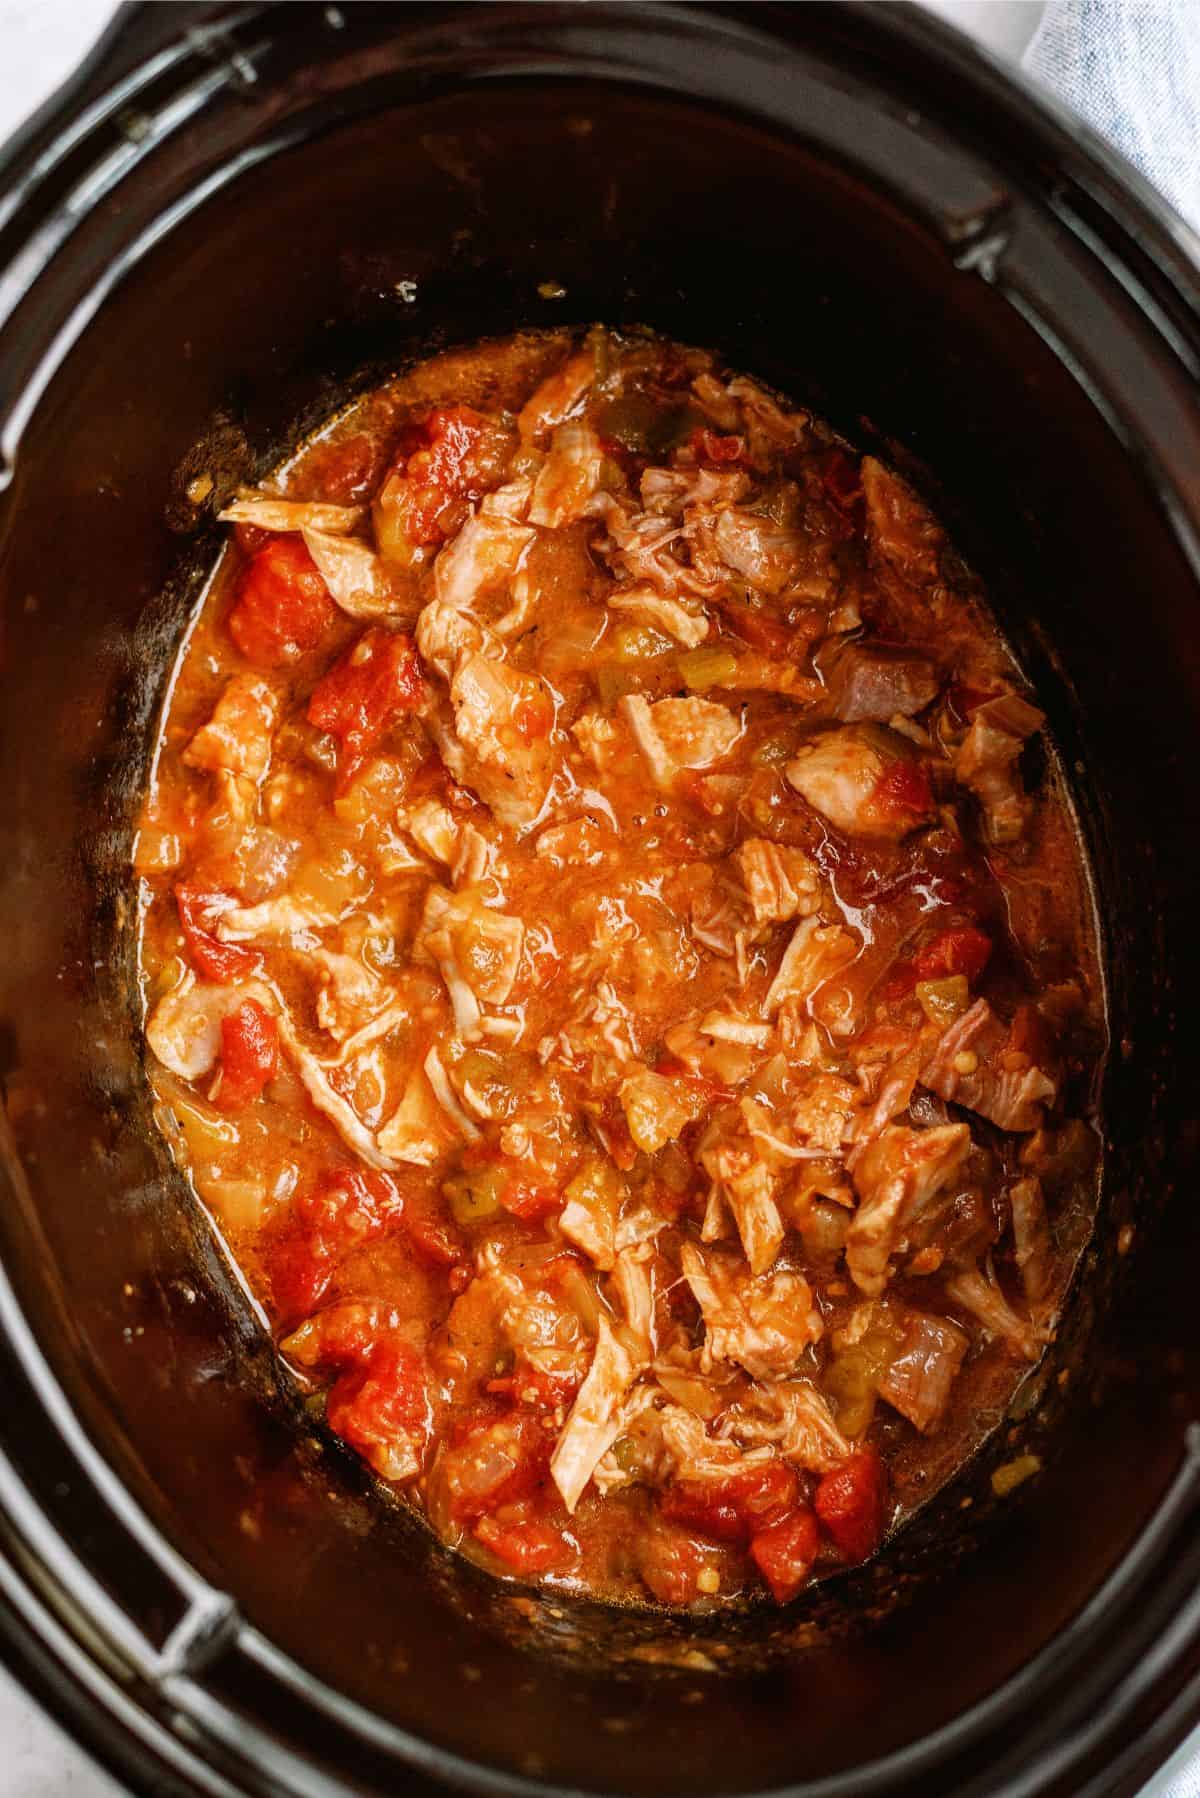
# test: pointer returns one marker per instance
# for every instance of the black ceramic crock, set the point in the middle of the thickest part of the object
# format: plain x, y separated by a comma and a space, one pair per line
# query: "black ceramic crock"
233, 214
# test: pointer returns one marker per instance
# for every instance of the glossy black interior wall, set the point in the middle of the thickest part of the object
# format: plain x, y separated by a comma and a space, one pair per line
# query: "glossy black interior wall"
917, 282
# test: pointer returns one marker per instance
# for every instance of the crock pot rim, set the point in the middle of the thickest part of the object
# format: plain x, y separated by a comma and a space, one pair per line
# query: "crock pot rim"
131, 1735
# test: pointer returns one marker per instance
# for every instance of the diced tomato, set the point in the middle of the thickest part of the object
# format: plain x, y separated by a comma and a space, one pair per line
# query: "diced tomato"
301, 1271
214, 959
533, 718
669, 1563
361, 695
283, 606
345, 473
356, 1202
434, 1239
520, 1194
496, 1464
523, 1543
711, 446
384, 1398
530, 1200
531, 1386
785, 1551
705, 1508
249, 1054
734, 1509
345, 1209
758, 628
962, 951
902, 793
851, 1503
767, 1493
443, 464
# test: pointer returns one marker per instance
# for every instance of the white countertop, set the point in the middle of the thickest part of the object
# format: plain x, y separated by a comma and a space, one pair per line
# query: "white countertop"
41, 42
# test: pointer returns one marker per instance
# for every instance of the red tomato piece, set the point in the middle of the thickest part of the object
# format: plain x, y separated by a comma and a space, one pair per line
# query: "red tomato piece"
734, 1509
521, 1542
851, 1503
528, 1385
669, 1563
301, 1269
249, 1054
708, 1509
283, 606
361, 695
213, 958
530, 1200
962, 951
384, 1398
442, 467
712, 446
356, 1203
496, 1463
345, 473
785, 1551
345, 1209
765, 1494
902, 793
758, 628
533, 718
432, 1237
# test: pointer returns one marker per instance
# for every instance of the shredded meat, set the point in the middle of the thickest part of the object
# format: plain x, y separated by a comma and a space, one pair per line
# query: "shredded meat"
902, 532
879, 682
763, 1324
842, 772
896, 1177
988, 760
919, 1379
780, 883
595, 1418
975, 1064
569, 477
980, 1296
795, 1419
605, 972
237, 738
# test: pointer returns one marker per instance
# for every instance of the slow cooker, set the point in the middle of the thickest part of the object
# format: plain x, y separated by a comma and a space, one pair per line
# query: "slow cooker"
230, 219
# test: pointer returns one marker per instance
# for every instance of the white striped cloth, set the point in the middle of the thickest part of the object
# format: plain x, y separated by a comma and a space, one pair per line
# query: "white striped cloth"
1131, 68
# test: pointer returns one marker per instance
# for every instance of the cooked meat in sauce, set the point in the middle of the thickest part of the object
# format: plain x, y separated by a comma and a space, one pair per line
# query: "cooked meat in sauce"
619, 968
